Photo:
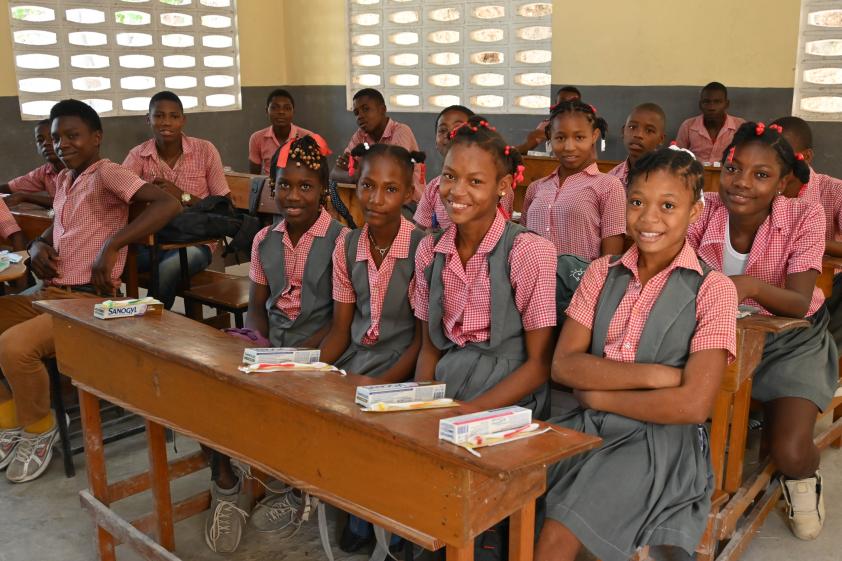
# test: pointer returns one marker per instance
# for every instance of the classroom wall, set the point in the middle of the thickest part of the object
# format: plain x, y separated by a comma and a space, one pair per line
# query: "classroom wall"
620, 53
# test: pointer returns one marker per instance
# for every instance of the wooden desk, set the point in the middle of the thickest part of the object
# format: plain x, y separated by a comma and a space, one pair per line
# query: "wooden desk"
32, 220
825, 280
389, 469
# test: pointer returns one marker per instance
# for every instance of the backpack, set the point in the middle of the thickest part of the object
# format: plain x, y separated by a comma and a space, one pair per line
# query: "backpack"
210, 218
569, 271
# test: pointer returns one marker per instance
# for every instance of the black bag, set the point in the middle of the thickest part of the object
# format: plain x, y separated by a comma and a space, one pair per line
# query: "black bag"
241, 242
210, 218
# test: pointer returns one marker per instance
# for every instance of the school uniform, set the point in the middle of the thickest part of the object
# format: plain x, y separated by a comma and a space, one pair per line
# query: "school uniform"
299, 278
198, 172
42, 178
578, 214
8, 225
649, 483
398, 134
384, 323
800, 362
431, 212
621, 172
89, 209
263, 144
478, 314
693, 135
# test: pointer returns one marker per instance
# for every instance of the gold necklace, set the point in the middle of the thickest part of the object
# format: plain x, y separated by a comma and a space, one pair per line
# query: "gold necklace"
382, 251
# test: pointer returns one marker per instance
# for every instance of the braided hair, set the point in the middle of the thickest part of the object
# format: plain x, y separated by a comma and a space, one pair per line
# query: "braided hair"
304, 151
676, 161
364, 152
772, 136
479, 132
577, 106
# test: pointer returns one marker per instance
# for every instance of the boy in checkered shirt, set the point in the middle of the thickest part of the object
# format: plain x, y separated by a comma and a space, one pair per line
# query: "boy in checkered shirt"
39, 185
81, 255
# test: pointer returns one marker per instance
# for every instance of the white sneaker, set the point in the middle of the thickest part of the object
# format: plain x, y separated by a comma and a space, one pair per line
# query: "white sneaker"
32, 455
9, 439
805, 506
283, 513
226, 519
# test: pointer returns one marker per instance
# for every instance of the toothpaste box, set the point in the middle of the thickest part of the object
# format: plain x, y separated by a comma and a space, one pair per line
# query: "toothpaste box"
111, 309
399, 393
459, 430
275, 355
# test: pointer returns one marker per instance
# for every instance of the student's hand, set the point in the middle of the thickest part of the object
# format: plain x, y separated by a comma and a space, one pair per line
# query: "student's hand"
746, 286
342, 161
535, 138
101, 271
465, 409
167, 186
43, 260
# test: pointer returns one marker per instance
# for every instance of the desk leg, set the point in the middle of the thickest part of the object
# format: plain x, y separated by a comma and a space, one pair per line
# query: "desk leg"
463, 553
522, 533
95, 458
737, 441
160, 483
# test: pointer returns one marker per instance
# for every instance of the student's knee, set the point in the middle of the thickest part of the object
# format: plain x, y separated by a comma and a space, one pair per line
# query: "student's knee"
555, 542
794, 454
18, 348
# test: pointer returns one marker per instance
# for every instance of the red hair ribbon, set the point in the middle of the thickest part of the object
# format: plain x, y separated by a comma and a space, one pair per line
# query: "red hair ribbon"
351, 165
283, 155
778, 128
593, 109
507, 150
422, 167
519, 174
760, 129
554, 107
324, 150
487, 125
456, 129
731, 154
502, 211
799, 156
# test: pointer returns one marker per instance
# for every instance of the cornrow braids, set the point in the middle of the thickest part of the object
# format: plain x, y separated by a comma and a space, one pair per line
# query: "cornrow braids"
478, 131
771, 136
361, 153
676, 161
459, 108
576, 106
306, 151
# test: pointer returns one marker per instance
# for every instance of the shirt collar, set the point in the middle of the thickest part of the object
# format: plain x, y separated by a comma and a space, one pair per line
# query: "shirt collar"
447, 242
391, 125
318, 229
400, 245
731, 123
686, 259
148, 149
592, 170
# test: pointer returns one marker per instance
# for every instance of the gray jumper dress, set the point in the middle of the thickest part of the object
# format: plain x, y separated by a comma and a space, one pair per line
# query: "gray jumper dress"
316, 287
397, 321
648, 484
475, 368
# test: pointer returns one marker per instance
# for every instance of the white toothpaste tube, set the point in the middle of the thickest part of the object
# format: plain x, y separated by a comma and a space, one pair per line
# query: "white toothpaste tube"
276, 355
462, 429
111, 309
399, 393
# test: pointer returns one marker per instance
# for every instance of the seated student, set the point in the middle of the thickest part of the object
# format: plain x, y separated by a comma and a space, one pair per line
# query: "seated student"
708, 134
376, 127
39, 185
627, 378
81, 255
431, 212
485, 287
280, 108
189, 169
642, 133
826, 191
290, 305
578, 208
539, 135
10, 230
771, 246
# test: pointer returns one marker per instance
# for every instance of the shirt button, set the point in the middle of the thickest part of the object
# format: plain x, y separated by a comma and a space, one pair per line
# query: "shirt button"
548, 229
626, 345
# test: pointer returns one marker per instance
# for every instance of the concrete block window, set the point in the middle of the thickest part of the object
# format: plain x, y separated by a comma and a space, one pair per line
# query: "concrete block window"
818, 69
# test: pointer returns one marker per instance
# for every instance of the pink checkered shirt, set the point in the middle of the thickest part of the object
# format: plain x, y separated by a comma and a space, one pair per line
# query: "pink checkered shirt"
790, 240
398, 134
42, 178
467, 290
693, 135
431, 205
577, 215
89, 209
295, 260
827, 192
8, 226
716, 306
263, 144
621, 171
378, 279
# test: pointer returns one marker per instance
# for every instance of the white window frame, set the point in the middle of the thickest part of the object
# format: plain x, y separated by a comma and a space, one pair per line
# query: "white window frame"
806, 62
510, 46
115, 93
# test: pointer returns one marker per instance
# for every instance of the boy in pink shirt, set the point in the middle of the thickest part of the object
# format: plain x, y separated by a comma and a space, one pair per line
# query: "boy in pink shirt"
707, 135
280, 108
39, 185
642, 133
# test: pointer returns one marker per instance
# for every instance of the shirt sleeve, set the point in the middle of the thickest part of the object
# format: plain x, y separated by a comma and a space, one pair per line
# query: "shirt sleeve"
716, 316
8, 226
32, 182
426, 206
808, 243
133, 162
356, 138
343, 288
254, 149
696, 230
613, 203
214, 173
121, 181
533, 266
403, 136
527, 201
421, 295
683, 136
507, 201
583, 304
256, 272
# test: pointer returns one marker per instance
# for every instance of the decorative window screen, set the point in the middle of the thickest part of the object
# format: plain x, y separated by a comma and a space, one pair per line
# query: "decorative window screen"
818, 68
115, 54
423, 55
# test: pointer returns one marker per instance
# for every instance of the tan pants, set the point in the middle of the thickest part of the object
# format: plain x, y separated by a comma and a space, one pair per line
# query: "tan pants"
26, 338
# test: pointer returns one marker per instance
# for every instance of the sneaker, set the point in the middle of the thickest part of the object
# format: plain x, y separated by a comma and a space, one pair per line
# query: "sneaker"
226, 519
32, 456
282, 514
9, 439
805, 506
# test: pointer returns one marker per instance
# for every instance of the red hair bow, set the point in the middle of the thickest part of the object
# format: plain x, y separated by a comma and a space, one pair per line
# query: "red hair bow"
778, 128
731, 154
799, 156
324, 150
761, 128
519, 174
593, 109
351, 165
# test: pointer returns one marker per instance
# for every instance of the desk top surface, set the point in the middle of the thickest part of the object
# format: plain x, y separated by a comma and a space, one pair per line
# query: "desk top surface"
175, 338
